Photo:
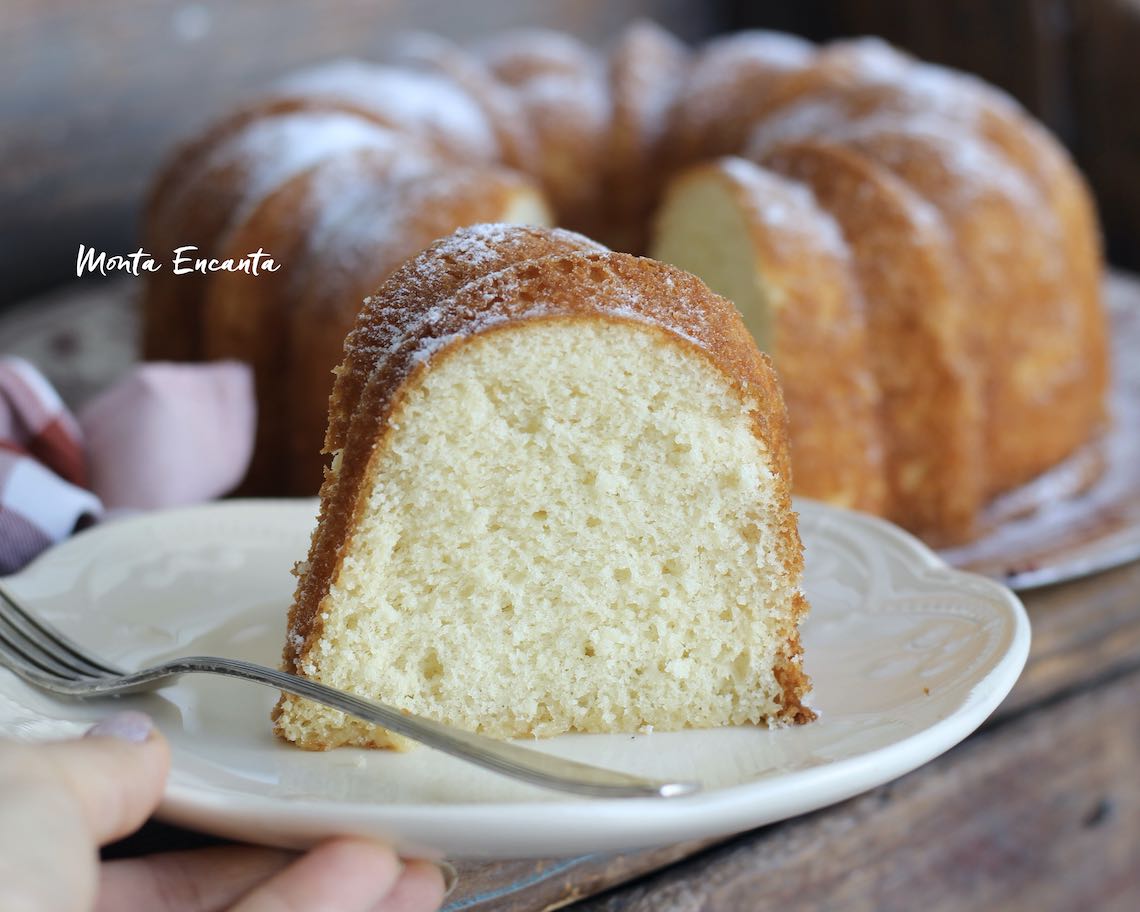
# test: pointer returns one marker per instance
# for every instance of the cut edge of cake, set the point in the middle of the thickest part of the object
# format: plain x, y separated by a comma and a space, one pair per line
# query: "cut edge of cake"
563, 505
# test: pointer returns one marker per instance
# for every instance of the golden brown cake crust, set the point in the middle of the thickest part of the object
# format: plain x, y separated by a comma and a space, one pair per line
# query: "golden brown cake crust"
831, 394
545, 102
349, 88
434, 274
728, 88
572, 286
1035, 381
386, 225
210, 181
520, 55
560, 87
966, 149
917, 331
424, 49
219, 186
647, 67
249, 317
900, 86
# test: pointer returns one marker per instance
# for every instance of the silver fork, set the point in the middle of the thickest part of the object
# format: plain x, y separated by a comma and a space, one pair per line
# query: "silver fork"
45, 658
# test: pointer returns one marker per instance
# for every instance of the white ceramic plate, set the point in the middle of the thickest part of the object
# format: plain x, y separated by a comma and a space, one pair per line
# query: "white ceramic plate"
908, 657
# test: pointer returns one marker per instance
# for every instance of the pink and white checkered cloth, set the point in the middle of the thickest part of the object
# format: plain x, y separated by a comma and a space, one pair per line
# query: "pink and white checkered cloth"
164, 436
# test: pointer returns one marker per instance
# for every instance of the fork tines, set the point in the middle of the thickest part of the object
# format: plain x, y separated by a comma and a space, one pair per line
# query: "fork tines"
29, 644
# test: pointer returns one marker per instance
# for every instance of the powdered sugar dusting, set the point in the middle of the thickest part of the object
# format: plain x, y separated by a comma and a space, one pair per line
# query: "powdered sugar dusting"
397, 319
522, 54
482, 243
398, 322
867, 58
639, 316
751, 59
271, 150
436, 54
786, 206
423, 104
901, 139
975, 167
375, 220
722, 59
342, 185
431, 344
893, 87
810, 119
564, 97
646, 73
392, 157
949, 91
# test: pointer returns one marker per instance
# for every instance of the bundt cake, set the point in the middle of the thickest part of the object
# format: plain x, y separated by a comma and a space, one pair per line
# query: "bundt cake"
646, 68
558, 459
763, 242
341, 253
341, 201
561, 89
948, 234
728, 88
915, 328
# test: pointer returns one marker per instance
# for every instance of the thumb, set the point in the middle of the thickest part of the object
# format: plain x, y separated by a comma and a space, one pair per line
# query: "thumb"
61, 800
115, 775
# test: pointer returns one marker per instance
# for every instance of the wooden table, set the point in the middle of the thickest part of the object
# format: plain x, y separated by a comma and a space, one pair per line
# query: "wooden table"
1040, 810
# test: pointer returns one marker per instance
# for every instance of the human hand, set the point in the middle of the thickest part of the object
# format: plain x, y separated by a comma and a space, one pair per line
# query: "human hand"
60, 801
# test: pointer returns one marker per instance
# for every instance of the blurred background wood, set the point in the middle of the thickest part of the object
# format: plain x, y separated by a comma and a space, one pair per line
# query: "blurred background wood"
93, 95
1074, 63
1106, 97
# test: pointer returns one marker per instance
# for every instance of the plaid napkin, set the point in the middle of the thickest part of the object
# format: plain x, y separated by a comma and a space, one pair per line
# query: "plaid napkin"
164, 436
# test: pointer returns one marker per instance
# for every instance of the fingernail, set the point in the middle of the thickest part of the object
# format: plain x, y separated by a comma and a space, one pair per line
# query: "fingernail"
450, 877
126, 726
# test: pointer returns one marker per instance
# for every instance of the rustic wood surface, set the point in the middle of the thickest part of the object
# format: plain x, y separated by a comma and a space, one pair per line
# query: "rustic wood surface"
1040, 813
1040, 810
1106, 104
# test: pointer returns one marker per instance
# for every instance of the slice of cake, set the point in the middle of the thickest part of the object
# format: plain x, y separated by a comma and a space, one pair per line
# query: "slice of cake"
762, 241
559, 502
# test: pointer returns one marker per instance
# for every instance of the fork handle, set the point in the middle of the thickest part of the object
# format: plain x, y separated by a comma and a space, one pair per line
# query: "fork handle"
541, 769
